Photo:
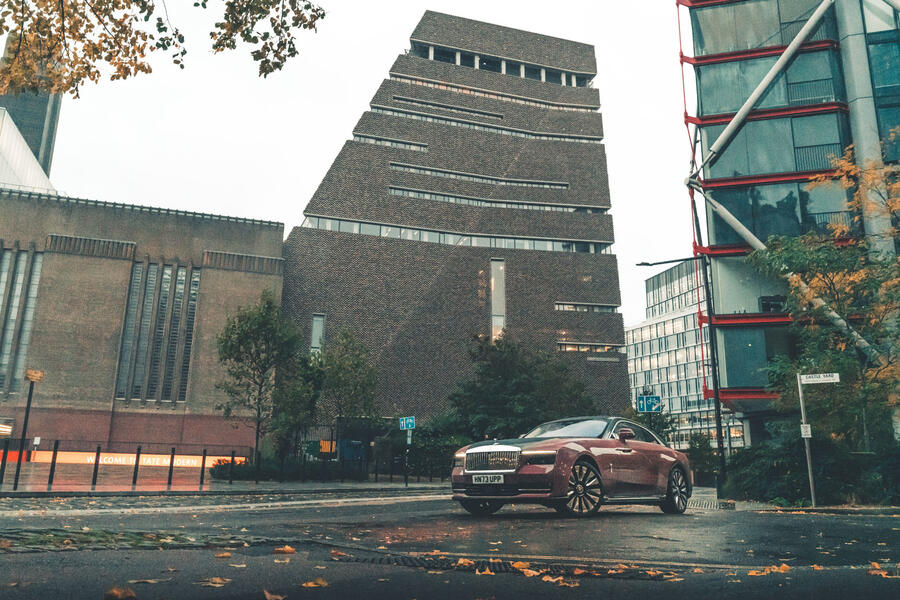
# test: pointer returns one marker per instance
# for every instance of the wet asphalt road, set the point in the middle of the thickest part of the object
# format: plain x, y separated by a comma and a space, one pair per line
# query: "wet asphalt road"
352, 547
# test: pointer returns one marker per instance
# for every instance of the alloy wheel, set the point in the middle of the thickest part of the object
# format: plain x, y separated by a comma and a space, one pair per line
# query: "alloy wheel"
677, 496
585, 493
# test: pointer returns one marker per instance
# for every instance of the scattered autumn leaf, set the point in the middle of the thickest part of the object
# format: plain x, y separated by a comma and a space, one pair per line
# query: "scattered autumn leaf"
465, 562
223, 555
530, 573
285, 550
283, 561
336, 554
117, 593
755, 573
270, 596
495, 543
315, 583
384, 580
5, 544
817, 568
697, 570
149, 581
519, 565
240, 566
486, 571
215, 582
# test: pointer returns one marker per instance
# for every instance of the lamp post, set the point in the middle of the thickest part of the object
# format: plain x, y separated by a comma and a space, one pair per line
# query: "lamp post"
31, 375
713, 354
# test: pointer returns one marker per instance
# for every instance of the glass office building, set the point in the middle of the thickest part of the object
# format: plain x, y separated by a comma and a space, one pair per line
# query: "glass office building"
666, 354
842, 88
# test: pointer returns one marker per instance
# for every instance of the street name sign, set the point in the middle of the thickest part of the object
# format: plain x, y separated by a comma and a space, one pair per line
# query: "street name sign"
649, 404
820, 378
407, 423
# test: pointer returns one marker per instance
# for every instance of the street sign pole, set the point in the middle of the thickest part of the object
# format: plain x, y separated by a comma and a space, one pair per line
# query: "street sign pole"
803, 426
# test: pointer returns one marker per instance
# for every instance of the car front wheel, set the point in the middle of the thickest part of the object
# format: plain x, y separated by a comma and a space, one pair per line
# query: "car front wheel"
585, 493
676, 499
481, 508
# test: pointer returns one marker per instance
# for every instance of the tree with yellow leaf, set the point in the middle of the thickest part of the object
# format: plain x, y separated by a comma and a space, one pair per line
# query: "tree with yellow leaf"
857, 278
58, 45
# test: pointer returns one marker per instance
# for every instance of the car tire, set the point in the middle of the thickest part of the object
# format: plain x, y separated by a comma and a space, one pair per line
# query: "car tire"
481, 508
585, 491
676, 500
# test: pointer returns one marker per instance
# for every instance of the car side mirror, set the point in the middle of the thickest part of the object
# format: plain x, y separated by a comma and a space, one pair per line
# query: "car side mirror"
626, 434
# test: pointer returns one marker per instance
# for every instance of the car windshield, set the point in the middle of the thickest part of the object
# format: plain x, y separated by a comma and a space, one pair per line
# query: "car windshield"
581, 428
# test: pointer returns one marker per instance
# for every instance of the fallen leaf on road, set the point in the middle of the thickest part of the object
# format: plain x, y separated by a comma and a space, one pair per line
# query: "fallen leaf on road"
117, 593
435, 572
223, 555
734, 581
494, 560
530, 573
319, 567
5, 544
317, 582
675, 579
565, 583
697, 570
215, 582
285, 550
549, 579
336, 554
464, 562
271, 596
240, 566
85, 528
495, 543
383, 580
817, 568
487, 571
755, 573
493, 550
381, 548
243, 529
283, 561
519, 565
150, 581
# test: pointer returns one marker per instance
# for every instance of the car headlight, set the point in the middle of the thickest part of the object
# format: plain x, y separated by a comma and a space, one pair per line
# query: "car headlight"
459, 460
539, 457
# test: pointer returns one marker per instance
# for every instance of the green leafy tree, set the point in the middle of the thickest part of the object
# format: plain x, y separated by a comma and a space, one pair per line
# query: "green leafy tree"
860, 282
348, 380
662, 423
702, 456
514, 389
296, 397
256, 345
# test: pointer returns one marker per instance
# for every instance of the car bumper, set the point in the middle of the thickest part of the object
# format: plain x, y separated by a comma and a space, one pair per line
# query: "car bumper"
530, 483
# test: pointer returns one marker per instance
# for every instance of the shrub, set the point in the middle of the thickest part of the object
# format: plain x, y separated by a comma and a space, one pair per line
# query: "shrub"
294, 470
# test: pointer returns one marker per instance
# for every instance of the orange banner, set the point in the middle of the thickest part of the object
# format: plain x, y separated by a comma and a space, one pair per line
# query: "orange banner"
187, 461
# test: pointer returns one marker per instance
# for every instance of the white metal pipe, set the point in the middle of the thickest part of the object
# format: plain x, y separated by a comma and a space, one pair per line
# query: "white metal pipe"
725, 137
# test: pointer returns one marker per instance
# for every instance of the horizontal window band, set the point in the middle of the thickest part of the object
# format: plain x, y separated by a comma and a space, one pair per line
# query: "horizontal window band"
483, 202
392, 143
459, 109
590, 347
422, 170
531, 135
455, 238
481, 93
584, 307
83, 246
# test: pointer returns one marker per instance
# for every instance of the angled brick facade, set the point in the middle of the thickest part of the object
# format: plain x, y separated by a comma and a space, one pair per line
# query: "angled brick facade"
452, 167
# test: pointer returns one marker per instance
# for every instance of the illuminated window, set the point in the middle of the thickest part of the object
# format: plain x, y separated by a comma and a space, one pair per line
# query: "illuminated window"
498, 297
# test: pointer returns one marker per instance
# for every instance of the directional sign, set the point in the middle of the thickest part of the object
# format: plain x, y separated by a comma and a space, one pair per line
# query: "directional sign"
820, 378
407, 423
805, 430
648, 404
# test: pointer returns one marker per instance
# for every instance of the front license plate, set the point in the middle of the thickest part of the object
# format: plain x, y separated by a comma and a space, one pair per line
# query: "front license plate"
487, 478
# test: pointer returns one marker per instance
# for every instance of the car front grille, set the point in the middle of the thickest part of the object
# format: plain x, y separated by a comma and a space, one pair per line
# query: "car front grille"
495, 460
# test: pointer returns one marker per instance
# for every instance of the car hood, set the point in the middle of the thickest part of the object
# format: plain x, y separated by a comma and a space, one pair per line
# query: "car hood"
523, 443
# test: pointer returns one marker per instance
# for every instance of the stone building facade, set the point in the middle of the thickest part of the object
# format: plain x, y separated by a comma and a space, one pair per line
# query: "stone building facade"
472, 198
119, 306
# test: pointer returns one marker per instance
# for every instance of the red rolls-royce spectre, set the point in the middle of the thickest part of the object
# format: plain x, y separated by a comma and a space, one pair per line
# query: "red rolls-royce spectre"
573, 465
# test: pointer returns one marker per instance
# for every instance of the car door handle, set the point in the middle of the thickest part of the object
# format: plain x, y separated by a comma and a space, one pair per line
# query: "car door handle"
623, 449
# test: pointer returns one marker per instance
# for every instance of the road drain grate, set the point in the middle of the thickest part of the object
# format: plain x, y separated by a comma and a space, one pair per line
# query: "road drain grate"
620, 571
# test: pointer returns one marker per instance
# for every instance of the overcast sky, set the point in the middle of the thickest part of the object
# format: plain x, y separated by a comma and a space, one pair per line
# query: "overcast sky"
217, 138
